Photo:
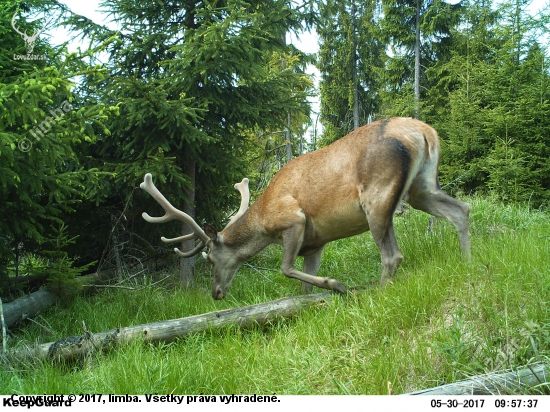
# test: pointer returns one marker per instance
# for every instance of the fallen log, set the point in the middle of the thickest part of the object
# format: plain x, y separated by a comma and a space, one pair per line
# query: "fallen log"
76, 347
28, 306
501, 383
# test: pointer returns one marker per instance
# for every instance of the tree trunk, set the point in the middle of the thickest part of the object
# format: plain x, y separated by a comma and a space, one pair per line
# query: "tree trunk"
167, 331
118, 260
355, 61
3, 326
187, 265
417, 63
288, 135
288, 139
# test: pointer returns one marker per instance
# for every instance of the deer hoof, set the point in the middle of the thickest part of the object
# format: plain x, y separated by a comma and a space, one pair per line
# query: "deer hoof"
385, 281
338, 287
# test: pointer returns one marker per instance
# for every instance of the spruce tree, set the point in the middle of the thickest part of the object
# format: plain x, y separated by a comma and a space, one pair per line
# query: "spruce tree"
42, 120
192, 80
349, 60
418, 33
491, 105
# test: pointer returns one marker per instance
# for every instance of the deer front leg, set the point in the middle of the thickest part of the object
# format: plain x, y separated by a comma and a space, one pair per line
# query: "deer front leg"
292, 242
311, 267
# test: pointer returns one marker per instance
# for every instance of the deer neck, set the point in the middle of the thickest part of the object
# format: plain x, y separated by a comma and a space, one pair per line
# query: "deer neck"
245, 236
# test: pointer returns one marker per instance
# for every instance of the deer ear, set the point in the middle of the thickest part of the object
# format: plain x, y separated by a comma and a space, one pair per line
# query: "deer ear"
211, 232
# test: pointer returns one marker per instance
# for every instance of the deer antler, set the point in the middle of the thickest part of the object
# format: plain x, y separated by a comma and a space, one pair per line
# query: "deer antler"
245, 198
173, 214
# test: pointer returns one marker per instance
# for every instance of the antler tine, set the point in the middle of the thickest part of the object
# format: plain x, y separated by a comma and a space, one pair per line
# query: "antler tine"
192, 252
172, 214
245, 198
180, 238
14, 27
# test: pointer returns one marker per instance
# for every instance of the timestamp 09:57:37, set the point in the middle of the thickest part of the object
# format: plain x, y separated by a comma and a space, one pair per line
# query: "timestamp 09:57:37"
480, 403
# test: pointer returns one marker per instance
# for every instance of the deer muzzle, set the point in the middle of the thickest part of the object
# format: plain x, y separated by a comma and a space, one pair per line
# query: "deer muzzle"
218, 293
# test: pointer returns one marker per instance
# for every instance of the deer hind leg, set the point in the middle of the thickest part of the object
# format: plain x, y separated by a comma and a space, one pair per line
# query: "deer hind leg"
311, 267
440, 204
384, 172
292, 242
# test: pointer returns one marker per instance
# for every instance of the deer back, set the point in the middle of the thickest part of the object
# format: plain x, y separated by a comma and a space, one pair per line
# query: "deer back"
381, 159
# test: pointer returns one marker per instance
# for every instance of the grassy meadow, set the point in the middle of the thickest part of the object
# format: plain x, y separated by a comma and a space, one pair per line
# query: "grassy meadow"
441, 320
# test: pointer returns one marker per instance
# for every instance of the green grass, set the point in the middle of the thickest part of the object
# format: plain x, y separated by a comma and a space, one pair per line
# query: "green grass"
441, 320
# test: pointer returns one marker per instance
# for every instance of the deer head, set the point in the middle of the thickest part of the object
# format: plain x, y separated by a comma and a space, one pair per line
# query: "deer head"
29, 40
346, 188
226, 263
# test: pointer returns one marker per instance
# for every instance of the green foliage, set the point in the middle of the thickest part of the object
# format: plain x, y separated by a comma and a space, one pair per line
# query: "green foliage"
350, 60
41, 123
437, 19
187, 89
58, 267
492, 106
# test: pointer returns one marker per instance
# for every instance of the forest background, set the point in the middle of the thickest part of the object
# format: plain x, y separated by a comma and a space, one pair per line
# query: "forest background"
202, 93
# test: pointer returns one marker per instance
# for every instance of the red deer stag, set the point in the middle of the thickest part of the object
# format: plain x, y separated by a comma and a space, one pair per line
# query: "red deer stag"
344, 189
